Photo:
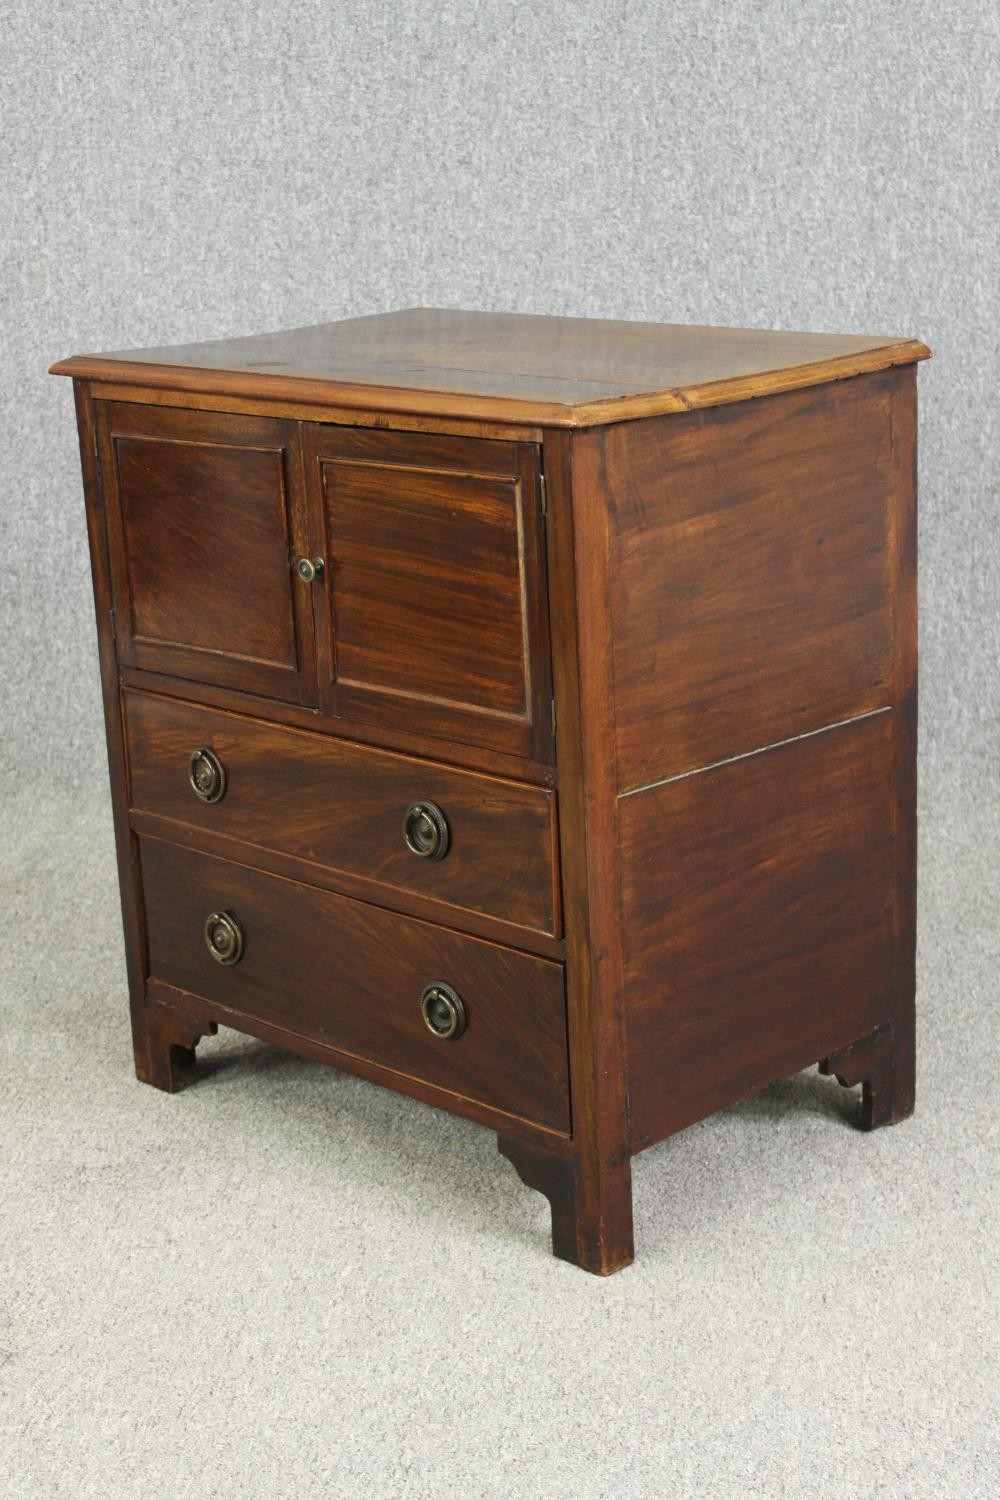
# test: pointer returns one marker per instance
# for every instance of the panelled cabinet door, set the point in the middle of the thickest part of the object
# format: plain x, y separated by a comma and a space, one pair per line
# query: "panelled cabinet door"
432, 604
205, 522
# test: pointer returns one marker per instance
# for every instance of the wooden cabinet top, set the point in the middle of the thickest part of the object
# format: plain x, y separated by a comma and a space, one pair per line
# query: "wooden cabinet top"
502, 367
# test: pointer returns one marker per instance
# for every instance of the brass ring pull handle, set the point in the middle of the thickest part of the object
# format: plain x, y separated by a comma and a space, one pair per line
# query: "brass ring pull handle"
207, 775
425, 831
309, 568
224, 937
443, 1011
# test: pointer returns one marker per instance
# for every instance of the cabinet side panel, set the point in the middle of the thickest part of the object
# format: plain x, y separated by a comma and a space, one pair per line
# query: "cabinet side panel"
757, 902
904, 553
752, 559
765, 661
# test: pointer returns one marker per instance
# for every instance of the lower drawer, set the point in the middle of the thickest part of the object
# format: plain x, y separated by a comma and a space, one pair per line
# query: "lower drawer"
363, 980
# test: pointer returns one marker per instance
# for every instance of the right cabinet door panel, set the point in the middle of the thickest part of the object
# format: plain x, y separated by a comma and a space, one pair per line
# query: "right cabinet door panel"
432, 604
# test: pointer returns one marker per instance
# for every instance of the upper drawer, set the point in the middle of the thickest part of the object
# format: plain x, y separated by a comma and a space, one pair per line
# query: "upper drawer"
205, 518
344, 805
432, 606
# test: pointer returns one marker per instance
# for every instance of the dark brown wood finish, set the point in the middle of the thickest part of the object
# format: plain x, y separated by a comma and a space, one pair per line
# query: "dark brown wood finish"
433, 602
126, 847
556, 372
351, 975
775, 599
187, 1013
883, 1068
382, 736
554, 1174
757, 913
306, 411
328, 878
721, 609
752, 598
327, 802
197, 505
596, 1198
903, 561
173, 1033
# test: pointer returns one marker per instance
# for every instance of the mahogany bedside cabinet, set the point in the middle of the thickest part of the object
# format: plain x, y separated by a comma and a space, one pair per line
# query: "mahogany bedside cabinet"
517, 712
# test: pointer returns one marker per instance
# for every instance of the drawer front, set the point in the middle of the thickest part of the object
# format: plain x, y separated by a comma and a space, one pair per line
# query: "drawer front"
353, 976
432, 607
205, 518
344, 806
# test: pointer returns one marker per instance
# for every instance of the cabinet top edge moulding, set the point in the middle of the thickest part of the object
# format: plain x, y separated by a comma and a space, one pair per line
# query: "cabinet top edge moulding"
502, 367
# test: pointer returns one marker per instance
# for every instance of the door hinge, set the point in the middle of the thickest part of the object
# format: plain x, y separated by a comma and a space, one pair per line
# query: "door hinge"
543, 494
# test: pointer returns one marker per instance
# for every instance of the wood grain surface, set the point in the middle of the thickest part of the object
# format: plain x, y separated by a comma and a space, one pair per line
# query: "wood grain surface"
596, 1197
340, 805
351, 976
433, 605
553, 371
197, 504
753, 592
608, 571
757, 904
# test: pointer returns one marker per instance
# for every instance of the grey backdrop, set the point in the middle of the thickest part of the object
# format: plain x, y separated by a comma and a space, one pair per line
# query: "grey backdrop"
187, 171
286, 1283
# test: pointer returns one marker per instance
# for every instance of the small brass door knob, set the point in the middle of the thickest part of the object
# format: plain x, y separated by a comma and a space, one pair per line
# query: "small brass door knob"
309, 568
425, 830
224, 937
207, 775
443, 1011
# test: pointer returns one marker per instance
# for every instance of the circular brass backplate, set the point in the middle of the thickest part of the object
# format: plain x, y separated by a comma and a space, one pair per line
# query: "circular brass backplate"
443, 1011
425, 830
224, 937
207, 775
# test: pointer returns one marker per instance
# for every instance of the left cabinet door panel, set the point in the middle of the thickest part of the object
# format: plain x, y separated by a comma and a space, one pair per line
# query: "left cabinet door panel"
205, 520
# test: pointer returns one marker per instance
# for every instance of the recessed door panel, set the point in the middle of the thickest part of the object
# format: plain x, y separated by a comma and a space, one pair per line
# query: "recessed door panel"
203, 527
434, 591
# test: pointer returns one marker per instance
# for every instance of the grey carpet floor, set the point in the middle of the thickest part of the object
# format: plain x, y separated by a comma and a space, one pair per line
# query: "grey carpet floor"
287, 1282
